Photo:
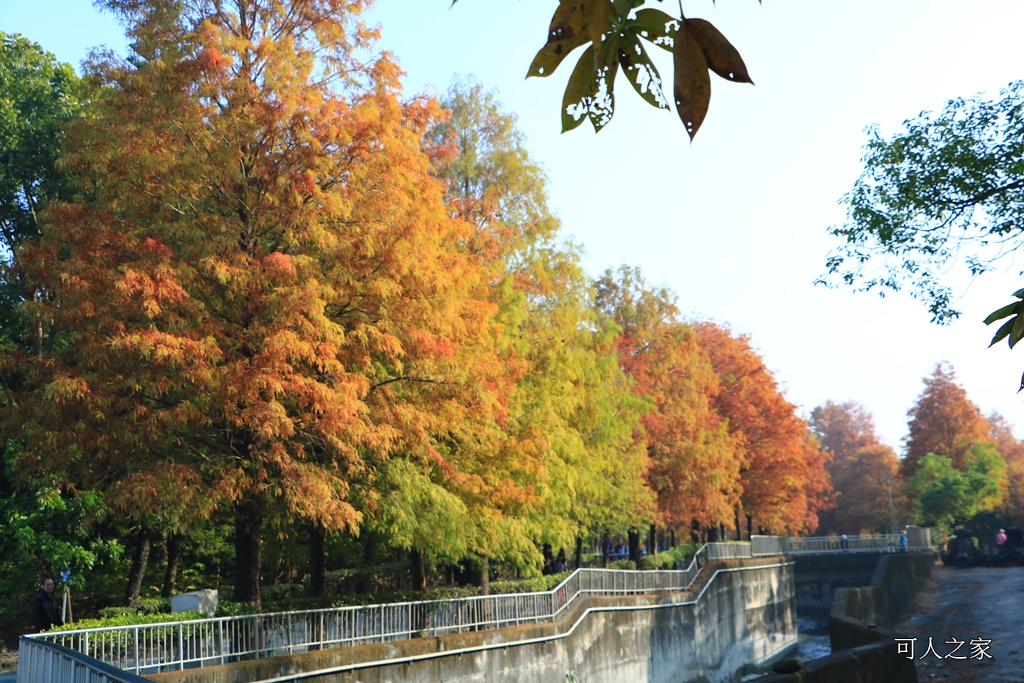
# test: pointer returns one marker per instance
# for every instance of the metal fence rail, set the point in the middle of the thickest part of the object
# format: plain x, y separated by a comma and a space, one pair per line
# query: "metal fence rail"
42, 662
854, 544
153, 648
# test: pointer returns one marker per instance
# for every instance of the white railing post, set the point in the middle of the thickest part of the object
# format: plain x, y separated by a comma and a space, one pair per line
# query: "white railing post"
135, 650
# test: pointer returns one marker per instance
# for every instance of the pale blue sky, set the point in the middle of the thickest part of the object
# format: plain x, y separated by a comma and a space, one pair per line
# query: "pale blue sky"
735, 222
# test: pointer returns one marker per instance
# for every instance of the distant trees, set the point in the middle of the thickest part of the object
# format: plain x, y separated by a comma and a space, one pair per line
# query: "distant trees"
694, 463
950, 496
942, 421
784, 482
863, 471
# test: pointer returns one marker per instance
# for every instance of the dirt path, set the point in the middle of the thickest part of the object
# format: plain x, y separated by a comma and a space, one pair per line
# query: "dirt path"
971, 606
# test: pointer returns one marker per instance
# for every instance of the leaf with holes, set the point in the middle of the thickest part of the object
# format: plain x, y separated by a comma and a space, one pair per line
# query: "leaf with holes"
575, 101
721, 56
656, 27
568, 30
640, 70
590, 89
692, 82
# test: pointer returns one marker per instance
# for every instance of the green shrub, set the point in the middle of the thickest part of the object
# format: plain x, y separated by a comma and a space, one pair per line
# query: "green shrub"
281, 591
227, 608
128, 619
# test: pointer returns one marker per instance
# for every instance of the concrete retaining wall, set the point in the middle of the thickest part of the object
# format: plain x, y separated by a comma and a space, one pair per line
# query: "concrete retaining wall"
818, 576
744, 614
864, 649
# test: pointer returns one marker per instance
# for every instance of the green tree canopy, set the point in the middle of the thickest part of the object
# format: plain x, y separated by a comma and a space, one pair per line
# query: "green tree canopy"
948, 188
39, 97
947, 495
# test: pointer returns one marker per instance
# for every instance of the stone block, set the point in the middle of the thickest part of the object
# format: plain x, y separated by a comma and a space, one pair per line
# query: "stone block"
203, 601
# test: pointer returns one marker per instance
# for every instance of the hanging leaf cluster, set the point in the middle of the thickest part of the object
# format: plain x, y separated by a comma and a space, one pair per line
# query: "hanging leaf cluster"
1013, 329
614, 32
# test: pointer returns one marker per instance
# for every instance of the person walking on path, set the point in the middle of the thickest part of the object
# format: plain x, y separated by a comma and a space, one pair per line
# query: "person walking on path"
44, 608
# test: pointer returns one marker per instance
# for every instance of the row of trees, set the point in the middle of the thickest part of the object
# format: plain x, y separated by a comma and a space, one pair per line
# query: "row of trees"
957, 464
250, 289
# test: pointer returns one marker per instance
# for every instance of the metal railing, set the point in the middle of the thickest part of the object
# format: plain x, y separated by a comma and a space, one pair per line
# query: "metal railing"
153, 648
851, 544
42, 662
768, 546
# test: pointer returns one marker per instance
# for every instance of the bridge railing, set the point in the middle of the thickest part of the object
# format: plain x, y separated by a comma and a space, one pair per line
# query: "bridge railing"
851, 544
153, 648
43, 662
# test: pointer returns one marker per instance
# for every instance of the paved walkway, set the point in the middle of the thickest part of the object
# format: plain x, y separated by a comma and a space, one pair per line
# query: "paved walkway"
971, 606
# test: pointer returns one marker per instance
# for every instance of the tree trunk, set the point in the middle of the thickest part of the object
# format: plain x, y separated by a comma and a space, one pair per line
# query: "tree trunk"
371, 545
605, 549
578, 559
721, 531
172, 545
418, 567
140, 558
695, 532
652, 540
317, 560
739, 532
750, 525
672, 537
484, 577
634, 546
248, 552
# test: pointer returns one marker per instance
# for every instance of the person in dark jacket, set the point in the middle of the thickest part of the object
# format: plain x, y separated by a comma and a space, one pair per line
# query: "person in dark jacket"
45, 614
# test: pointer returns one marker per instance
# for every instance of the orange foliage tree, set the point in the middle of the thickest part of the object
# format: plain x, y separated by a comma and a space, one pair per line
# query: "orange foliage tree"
260, 284
1012, 450
861, 470
783, 474
694, 461
942, 421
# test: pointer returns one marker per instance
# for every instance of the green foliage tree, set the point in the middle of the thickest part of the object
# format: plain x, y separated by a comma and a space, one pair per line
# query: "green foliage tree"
947, 189
40, 97
45, 529
945, 495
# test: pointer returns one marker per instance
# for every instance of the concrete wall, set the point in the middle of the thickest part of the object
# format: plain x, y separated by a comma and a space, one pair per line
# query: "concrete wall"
896, 581
818, 576
743, 615
864, 649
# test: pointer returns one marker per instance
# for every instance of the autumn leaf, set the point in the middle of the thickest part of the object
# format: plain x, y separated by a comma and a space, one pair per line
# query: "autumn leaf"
569, 29
692, 83
656, 27
589, 92
721, 56
640, 70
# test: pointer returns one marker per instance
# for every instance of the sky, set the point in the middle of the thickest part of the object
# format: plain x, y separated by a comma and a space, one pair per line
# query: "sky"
735, 222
